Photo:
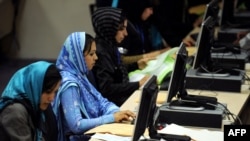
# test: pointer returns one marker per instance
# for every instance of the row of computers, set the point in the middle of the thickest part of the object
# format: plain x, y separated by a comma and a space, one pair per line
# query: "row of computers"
149, 115
208, 69
217, 61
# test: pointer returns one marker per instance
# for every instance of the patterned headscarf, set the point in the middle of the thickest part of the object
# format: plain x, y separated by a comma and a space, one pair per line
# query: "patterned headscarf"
72, 66
26, 83
106, 21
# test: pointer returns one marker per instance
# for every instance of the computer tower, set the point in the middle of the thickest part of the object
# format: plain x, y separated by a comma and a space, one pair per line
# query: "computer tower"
196, 118
230, 83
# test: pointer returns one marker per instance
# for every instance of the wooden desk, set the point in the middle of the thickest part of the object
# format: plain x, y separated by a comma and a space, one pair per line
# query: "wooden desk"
199, 9
236, 102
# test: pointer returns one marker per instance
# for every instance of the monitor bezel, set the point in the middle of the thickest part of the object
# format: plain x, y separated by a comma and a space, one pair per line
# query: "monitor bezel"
177, 79
212, 9
204, 44
146, 108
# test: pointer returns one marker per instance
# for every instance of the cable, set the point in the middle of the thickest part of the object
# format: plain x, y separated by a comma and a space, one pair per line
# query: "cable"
229, 114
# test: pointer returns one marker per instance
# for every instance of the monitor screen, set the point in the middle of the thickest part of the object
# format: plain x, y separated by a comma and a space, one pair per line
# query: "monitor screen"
147, 108
176, 85
204, 42
212, 9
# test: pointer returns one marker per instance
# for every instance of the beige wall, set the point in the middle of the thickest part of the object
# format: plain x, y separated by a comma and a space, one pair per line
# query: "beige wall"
44, 25
6, 17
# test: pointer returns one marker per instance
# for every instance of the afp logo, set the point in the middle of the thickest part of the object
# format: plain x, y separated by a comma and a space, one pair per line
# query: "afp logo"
236, 132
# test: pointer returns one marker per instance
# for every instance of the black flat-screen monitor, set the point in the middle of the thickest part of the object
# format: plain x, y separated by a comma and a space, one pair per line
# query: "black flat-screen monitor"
184, 101
204, 42
227, 13
203, 61
147, 108
212, 9
230, 18
177, 85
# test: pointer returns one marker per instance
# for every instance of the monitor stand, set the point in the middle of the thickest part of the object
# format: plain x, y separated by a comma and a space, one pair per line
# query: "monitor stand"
193, 102
185, 105
213, 73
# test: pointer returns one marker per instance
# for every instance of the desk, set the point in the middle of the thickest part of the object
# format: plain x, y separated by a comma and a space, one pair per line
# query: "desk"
236, 102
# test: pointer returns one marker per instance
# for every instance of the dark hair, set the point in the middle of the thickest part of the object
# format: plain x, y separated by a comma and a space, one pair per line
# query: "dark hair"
51, 78
88, 41
122, 20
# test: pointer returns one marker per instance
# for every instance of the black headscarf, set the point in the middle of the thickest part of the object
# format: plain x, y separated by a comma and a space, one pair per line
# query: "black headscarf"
135, 8
106, 21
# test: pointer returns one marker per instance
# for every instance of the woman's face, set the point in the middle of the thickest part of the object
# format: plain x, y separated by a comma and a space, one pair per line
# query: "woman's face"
90, 56
48, 96
146, 13
122, 32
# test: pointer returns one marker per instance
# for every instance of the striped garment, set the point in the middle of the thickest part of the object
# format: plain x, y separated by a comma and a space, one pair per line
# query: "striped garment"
106, 21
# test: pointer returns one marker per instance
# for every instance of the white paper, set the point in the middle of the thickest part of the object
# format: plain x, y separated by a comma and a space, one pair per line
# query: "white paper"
195, 134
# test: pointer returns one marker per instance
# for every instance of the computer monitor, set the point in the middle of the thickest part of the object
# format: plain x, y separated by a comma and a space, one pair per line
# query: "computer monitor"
205, 40
147, 108
177, 84
203, 59
212, 9
230, 18
177, 88
227, 12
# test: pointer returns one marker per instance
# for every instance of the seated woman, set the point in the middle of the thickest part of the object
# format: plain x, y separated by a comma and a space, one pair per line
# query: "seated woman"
78, 105
110, 72
25, 110
138, 44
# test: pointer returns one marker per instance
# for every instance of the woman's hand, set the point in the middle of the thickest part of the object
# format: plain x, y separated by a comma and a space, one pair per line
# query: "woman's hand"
124, 116
142, 63
189, 41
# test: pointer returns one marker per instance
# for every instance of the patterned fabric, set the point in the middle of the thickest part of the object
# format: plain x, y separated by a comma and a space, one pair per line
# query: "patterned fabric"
110, 73
27, 83
78, 105
105, 21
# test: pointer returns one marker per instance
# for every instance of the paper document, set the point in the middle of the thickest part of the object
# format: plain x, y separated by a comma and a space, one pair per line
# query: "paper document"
161, 67
110, 137
195, 134
120, 129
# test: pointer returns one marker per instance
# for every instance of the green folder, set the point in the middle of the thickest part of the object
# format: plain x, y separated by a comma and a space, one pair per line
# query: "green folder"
162, 67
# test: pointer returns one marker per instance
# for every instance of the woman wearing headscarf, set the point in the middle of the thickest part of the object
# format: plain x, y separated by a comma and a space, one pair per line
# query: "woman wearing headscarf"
78, 105
111, 74
139, 43
25, 110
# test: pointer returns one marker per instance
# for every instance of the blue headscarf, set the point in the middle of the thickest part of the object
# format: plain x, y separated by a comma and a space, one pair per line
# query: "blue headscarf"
27, 83
73, 68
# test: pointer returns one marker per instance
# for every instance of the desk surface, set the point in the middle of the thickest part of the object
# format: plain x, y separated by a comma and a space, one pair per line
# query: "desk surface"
234, 101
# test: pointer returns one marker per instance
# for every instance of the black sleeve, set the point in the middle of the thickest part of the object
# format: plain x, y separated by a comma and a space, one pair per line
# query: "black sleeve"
112, 81
132, 67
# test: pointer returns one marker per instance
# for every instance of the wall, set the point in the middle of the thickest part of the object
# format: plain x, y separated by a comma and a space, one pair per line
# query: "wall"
6, 16
44, 25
